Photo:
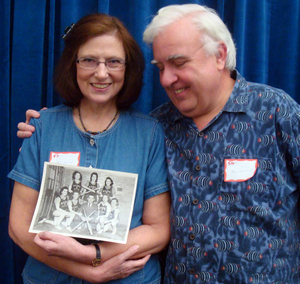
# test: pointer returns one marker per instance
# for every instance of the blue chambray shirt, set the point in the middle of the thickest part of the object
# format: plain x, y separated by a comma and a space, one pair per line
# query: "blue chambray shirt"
236, 231
134, 144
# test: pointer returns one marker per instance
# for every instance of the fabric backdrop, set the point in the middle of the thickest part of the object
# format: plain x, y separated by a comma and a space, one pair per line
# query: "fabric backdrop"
266, 33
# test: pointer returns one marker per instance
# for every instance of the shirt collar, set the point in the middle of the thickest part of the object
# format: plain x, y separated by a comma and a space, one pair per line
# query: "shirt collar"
233, 104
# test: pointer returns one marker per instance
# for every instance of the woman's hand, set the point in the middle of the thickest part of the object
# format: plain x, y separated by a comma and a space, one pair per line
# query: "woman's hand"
117, 267
64, 246
120, 266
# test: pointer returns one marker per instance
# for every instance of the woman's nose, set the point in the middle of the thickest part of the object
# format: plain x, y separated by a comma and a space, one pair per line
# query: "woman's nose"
101, 71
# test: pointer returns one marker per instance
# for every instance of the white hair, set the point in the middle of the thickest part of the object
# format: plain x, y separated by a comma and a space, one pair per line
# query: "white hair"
206, 20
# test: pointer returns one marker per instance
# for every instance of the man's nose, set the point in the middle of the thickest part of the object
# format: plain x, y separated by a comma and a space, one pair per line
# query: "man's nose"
168, 77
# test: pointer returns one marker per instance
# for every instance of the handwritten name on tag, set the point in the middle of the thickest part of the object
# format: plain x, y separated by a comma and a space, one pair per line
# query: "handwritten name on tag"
238, 170
66, 158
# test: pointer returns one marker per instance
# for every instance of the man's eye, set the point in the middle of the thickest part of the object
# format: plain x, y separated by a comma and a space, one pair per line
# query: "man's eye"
179, 63
160, 67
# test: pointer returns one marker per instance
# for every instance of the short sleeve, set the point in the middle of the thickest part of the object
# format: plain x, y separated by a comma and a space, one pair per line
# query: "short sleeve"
27, 170
156, 176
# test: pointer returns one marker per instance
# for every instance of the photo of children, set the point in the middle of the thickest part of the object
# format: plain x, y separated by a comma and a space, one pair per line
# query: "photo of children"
85, 203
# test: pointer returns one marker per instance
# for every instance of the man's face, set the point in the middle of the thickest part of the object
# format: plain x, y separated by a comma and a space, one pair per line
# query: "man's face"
90, 199
188, 75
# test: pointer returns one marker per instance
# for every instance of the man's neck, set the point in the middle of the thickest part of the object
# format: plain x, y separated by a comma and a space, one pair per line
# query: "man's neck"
226, 88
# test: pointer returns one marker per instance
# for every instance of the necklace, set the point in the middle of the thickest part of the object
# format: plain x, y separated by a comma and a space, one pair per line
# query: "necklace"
97, 132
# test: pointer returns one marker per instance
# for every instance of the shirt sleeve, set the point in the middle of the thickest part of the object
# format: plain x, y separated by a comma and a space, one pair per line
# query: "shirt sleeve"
28, 170
156, 177
288, 136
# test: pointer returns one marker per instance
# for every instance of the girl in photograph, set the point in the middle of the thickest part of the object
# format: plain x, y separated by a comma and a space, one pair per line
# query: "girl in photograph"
108, 188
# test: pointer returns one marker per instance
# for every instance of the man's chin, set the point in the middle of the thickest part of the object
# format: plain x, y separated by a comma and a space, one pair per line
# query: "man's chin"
185, 110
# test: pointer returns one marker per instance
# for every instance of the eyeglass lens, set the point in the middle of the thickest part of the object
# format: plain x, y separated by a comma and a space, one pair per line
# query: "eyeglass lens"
91, 63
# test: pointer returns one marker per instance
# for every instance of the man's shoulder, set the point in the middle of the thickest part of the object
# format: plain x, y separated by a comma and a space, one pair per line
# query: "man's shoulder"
254, 94
166, 113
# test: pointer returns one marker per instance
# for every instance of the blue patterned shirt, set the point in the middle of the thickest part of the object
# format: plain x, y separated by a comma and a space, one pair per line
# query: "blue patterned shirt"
235, 188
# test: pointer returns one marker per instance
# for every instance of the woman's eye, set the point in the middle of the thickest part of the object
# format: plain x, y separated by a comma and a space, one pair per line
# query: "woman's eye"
114, 61
89, 60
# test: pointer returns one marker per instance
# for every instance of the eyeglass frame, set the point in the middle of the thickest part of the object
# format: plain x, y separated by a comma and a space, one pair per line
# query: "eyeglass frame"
105, 63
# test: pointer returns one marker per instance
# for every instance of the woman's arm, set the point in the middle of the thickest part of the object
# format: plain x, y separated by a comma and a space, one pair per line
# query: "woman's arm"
151, 237
22, 208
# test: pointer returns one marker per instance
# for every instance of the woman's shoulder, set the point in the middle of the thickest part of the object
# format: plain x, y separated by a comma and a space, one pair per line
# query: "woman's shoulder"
53, 115
140, 116
55, 110
141, 120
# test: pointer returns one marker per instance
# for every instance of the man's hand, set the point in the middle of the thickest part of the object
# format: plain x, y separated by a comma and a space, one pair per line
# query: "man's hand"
26, 130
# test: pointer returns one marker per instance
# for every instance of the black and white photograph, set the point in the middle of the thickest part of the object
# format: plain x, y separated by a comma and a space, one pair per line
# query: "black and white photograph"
85, 203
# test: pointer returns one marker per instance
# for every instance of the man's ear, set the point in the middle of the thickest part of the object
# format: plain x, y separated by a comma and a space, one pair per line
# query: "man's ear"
221, 55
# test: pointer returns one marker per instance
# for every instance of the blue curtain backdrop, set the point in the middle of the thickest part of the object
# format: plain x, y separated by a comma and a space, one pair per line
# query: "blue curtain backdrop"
266, 33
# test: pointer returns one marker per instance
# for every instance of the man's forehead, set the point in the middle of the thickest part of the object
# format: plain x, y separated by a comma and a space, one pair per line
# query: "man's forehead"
170, 57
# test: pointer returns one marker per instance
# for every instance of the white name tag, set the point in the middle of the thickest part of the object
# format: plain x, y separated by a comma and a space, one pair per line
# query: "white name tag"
66, 158
238, 170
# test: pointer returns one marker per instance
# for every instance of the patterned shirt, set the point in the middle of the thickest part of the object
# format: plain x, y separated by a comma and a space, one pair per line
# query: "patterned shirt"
235, 188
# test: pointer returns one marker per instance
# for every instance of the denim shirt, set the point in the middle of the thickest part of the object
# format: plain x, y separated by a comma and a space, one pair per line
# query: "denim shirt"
134, 144
235, 188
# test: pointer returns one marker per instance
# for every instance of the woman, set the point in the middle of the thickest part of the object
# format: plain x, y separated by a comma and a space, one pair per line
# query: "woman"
60, 211
76, 185
111, 221
93, 182
108, 188
92, 186
74, 206
99, 76
76, 182
104, 208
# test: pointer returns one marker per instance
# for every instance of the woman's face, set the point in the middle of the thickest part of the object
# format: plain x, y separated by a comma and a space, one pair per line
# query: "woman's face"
64, 192
108, 182
77, 176
101, 85
94, 177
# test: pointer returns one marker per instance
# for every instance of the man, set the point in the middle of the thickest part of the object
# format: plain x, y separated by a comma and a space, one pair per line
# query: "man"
90, 212
233, 155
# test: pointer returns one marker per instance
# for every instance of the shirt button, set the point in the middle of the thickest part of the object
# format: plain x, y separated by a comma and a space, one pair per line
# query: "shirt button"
92, 142
192, 271
198, 168
200, 134
195, 201
192, 237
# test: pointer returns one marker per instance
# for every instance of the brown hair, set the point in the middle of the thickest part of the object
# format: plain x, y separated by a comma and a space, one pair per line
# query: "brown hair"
86, 28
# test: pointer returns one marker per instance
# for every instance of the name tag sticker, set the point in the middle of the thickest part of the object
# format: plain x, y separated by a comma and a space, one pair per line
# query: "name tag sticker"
238, 170
66, 158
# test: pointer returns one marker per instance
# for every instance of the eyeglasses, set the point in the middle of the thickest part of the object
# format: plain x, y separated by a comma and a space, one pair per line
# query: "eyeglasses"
92, 63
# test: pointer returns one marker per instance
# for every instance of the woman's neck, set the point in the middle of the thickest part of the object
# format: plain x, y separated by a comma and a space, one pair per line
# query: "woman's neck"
95, 118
